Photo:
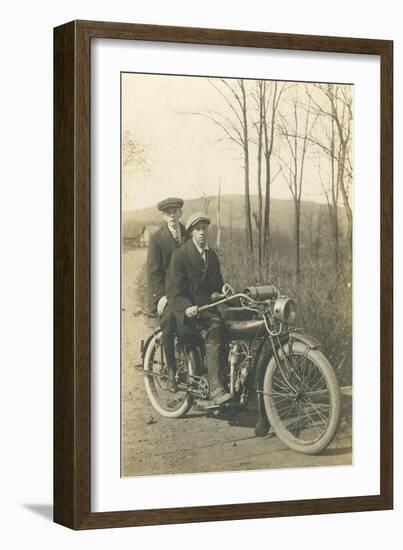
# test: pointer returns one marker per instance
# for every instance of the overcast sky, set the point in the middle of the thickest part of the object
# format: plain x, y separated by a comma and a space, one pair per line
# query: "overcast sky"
186, 153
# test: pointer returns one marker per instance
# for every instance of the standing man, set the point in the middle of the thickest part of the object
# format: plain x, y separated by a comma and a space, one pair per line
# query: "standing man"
170, 236
193, 275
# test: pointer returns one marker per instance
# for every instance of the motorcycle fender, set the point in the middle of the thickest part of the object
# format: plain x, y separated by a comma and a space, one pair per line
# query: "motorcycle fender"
309, 341
285, 338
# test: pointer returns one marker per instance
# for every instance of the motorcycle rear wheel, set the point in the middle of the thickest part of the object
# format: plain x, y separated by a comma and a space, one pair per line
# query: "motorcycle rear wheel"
302, 399
166, 403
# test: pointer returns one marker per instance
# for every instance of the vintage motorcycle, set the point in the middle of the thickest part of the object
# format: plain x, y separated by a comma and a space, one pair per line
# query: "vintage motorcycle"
297, 389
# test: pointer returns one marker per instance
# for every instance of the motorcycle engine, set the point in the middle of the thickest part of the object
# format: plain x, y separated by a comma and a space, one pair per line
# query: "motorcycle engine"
204, 387
239, 367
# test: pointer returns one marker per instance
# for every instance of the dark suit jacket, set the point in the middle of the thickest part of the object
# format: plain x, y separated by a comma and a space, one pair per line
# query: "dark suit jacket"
160, 249
189, 282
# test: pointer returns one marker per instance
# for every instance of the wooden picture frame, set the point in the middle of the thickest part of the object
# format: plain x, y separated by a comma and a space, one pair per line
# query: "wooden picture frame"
72, 274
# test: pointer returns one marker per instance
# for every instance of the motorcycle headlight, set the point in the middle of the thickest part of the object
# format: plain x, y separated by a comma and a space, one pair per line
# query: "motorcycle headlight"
284, 310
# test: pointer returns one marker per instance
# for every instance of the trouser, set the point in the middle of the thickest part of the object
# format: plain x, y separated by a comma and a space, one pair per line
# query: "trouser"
168, 326
212, 329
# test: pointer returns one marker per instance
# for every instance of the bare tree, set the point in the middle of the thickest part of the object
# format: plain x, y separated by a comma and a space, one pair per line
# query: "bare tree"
313, 223
244, 109
272, 92
257, 214
267, 97
205, 201
134, 153
318, 234
296, 128
135, 160
335, 104
230, 221
331, 191
235, 128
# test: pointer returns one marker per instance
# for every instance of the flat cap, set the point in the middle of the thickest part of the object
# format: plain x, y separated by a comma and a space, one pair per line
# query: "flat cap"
195, 218
170, 202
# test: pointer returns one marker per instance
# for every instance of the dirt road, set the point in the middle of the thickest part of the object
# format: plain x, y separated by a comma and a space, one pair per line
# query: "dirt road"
156, 445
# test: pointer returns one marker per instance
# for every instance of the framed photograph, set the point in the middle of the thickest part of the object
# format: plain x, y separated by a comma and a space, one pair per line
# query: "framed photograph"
223, 259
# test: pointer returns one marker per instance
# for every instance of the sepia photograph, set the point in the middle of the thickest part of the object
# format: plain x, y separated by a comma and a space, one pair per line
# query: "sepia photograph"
236, 274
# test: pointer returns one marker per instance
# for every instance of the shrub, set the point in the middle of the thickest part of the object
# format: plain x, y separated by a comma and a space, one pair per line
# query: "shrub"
323, 297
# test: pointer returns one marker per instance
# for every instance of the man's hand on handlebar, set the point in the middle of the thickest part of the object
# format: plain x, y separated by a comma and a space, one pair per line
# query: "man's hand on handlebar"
192, 311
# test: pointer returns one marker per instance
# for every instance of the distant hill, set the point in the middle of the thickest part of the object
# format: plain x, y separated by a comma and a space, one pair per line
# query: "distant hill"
232, 214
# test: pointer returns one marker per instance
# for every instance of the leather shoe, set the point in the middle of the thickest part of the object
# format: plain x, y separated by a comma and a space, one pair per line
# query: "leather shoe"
220, 396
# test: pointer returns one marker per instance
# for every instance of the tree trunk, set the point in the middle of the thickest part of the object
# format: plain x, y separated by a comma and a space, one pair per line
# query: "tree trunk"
268, 148
248, 219
336, 242
230, 222
259, 180
318, 236
266, 219
248, 222
297, 206
345, 201
335, 195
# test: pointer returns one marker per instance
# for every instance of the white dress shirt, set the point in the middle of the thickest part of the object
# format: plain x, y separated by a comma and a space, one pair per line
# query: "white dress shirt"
202, 251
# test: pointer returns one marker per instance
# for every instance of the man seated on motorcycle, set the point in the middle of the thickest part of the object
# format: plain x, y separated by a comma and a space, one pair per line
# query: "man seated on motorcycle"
170, 236
193, 275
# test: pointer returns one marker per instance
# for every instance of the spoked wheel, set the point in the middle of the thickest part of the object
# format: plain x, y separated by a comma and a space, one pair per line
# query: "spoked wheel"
171, 405
302, 399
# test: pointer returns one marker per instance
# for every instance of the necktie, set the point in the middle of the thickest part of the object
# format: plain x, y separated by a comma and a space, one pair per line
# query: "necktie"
176, 236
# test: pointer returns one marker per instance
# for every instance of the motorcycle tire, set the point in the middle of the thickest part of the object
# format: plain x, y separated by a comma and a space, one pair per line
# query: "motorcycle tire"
302, 398
166, 403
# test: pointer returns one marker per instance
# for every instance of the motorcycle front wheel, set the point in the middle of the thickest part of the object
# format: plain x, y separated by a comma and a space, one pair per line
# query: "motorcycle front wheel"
302, 398
166, 403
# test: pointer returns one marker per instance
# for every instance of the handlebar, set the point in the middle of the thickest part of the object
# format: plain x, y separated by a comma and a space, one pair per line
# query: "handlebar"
227, 298
265, 300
